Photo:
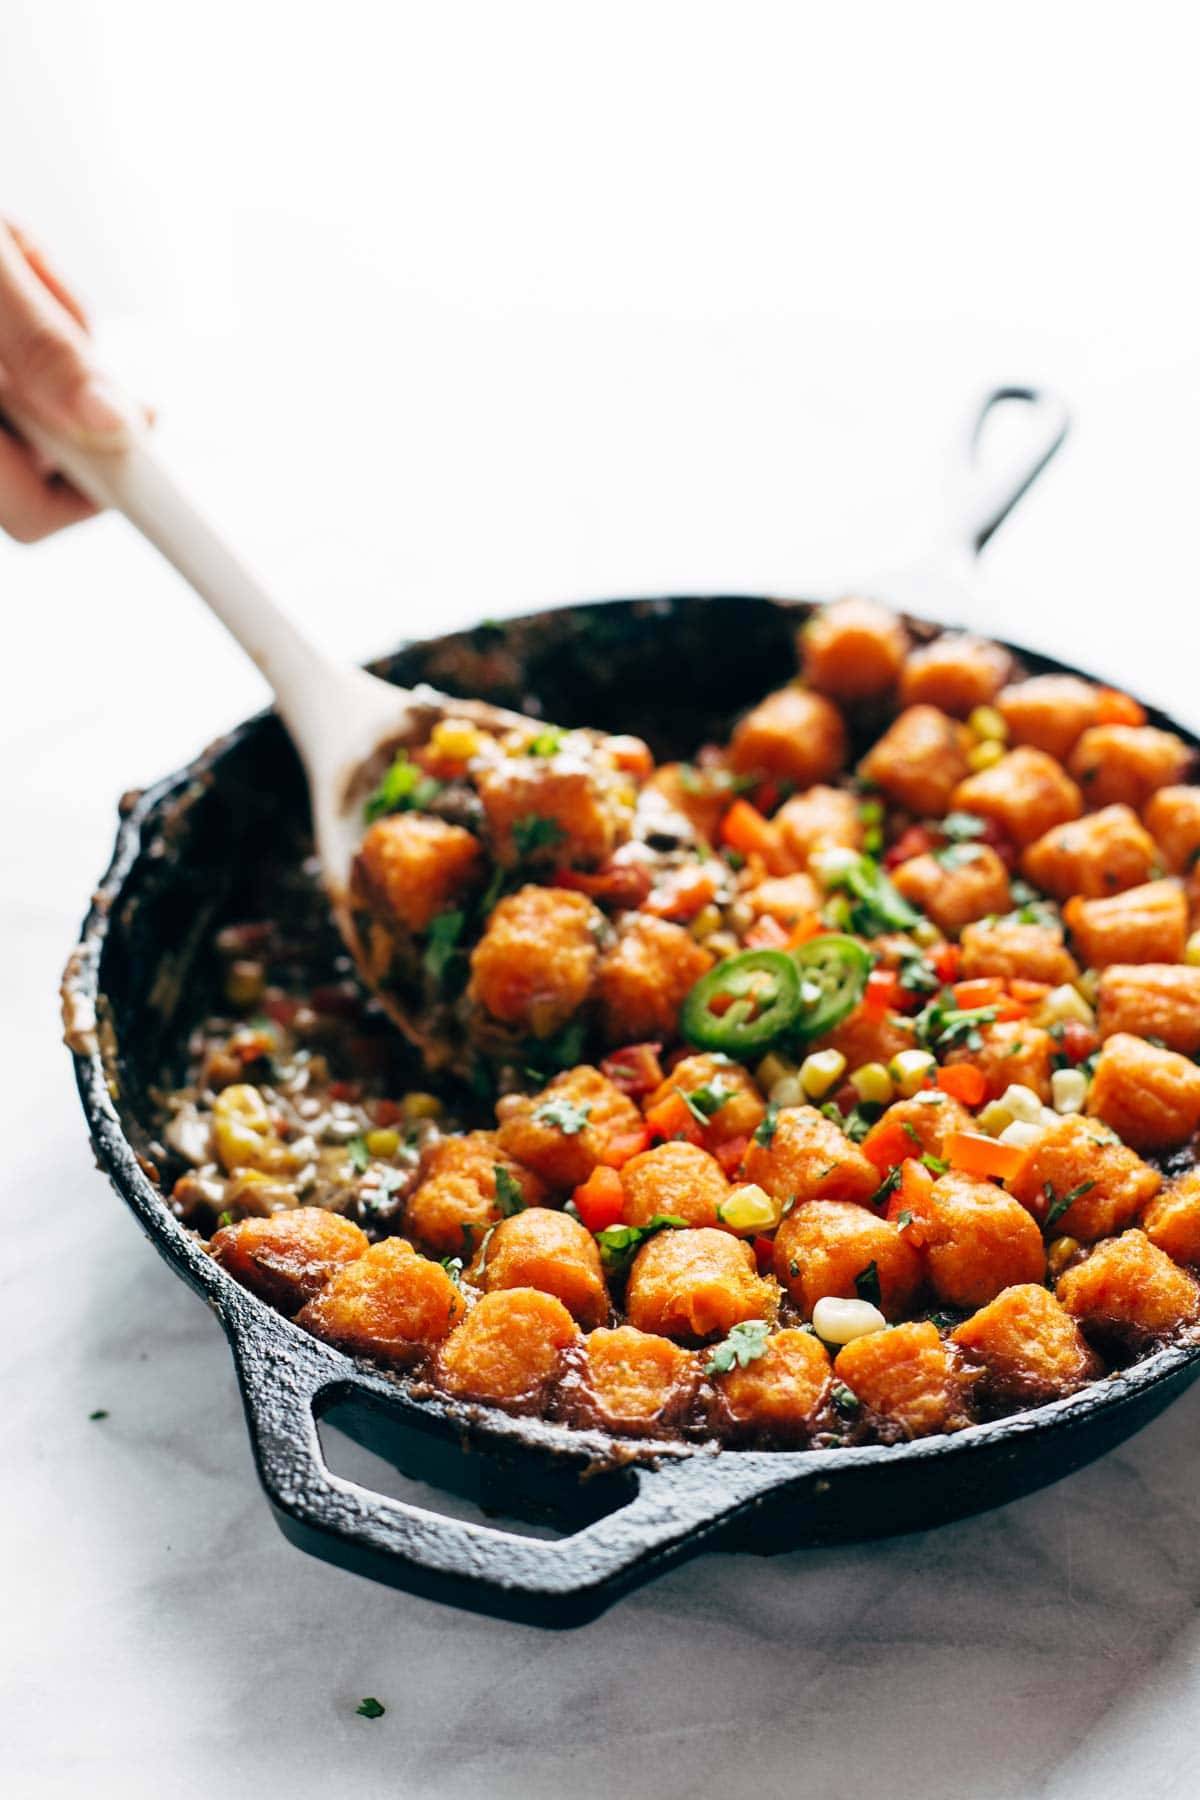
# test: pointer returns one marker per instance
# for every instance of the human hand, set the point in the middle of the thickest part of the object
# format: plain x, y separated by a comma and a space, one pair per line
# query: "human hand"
45, 366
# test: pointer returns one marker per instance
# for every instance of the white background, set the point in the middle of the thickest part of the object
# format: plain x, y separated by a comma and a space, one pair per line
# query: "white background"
449, 311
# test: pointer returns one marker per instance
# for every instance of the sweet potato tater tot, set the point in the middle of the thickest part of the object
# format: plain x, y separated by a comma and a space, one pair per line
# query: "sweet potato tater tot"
782, 1394
288, 1257
390, 1302
906, 1377
853, 650
549, 1251
1029, 1349
509, 1348
828, 1247
695, 1285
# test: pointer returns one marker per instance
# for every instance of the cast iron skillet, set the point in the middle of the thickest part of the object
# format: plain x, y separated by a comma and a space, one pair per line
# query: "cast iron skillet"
675, 670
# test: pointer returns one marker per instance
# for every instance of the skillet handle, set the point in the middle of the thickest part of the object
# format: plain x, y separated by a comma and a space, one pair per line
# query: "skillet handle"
676, 1511
990, 488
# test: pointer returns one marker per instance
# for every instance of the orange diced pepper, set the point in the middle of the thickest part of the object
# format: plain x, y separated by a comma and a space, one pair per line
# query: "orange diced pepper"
673, 1118
887, 1144
624, 1144
1115, 708
974, 1153
600, 1200
963, 1081
744, 829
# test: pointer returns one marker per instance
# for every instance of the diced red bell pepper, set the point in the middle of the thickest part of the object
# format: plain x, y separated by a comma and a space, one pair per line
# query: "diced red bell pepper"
764, 1254
386, 1112
883, 992
345, 1090
908, 1200
600, 1201
744, 829
986, 990
673, 1118
621, 1145
635, 1069
973, 1153
945, 960
916, 841
887, 1144
963, 1081
1079, 1040
730, 1153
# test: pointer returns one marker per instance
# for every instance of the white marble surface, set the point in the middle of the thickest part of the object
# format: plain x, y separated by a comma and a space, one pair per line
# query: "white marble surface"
659, 302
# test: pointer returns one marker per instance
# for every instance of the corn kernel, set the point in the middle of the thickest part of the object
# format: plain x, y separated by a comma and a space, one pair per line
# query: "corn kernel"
1191, 953
908, 1070
455, 739
241, 1127
1022, 1103
873, 1084
750, 1208
1021, 1133
994, 1117
1068, 1089
1088, 985
706, 921
985, 754
837, 913
821, 1071
421, 1106
987, 724
722, 944
1063, 1004
383, 1141
786, 1092
1060, 1253
925, 933
841, 1321
771, 1069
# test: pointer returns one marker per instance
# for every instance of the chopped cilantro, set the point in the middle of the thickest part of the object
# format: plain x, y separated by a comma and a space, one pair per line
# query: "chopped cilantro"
404, 787
444, 934
959, 827
225, 1218
904, 1218
917, 976
101, 1412
703, 1102
887, 1186
866, 1284
876, 904
619, 1242
936, 1165
532, 834
510, 1196
957, 856
548, 742
564, 1115
1056, 1208
767, 1127
942, 1024
370, 1708
453, 1266
360, 1156
844, 1398
745, 1344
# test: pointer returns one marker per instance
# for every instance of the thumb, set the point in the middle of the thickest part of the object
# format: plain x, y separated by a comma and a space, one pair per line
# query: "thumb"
44, 362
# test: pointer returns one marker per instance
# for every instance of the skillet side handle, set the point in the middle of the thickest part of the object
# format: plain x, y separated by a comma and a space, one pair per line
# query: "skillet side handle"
677, 1509
991, 490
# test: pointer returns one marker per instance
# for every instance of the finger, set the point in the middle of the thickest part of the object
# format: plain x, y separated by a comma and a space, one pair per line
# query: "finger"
31, 508
43, 352
48, 275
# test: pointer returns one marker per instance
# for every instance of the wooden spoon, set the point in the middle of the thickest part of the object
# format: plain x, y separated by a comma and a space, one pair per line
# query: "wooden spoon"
343, 721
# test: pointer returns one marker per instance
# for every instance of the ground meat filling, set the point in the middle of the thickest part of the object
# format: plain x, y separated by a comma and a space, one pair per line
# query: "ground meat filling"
837, 1086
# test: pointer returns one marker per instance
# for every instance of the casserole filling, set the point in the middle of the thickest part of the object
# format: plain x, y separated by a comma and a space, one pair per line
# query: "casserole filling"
839, 1085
